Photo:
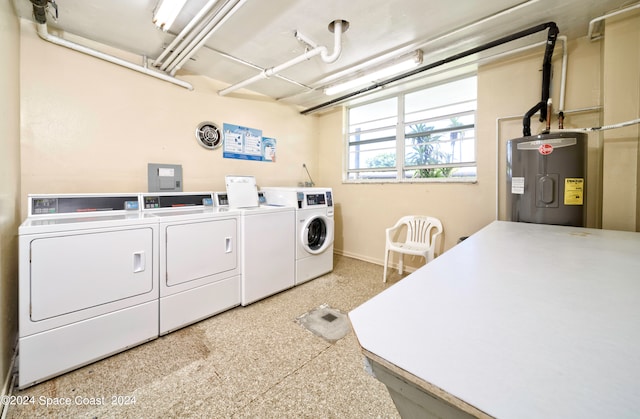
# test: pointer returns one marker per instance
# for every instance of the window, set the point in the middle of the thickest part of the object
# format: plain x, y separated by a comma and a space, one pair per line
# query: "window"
418, 136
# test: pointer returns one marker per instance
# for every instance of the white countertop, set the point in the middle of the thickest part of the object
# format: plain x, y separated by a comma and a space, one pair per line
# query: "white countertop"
520, 320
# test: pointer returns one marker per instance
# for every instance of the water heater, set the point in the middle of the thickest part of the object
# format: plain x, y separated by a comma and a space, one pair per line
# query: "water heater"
546, 179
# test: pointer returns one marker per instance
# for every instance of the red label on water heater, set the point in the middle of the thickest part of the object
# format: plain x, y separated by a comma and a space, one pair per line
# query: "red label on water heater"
545, 149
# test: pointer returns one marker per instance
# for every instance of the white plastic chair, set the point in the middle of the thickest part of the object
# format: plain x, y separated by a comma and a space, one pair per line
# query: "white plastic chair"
422, 235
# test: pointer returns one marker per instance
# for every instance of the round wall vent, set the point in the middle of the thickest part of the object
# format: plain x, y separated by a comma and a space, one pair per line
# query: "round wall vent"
208, 135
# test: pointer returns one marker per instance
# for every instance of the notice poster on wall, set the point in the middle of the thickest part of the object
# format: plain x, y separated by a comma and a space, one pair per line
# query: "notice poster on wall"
247, 144
269, 149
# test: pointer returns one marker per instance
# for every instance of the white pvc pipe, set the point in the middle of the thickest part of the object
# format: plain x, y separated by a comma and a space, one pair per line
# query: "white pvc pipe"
319, 50
44, 34
337, 44
598, 19
227, 11
602, 128
183, 34
563, 76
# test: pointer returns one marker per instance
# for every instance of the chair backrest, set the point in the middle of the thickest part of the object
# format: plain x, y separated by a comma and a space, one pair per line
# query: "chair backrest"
422, 229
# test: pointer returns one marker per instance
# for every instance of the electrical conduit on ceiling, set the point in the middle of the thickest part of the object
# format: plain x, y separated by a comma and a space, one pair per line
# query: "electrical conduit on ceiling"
185, 33
39, 12
196, 39
339, 26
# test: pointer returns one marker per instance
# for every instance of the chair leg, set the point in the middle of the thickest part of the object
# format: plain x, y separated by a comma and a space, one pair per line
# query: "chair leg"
400, 267
386, 261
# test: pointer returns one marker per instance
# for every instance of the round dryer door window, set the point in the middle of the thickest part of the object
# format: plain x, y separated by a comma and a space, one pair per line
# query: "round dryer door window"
317, 234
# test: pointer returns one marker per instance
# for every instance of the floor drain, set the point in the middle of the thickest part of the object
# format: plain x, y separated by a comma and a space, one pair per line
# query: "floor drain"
329, 317
326, 322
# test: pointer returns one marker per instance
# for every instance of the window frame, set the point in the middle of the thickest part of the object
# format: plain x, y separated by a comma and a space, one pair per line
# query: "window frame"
401, 168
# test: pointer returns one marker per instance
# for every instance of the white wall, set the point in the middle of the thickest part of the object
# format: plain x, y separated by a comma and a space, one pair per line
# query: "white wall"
9, 182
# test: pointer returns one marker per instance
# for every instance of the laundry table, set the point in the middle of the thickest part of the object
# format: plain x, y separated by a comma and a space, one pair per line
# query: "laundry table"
518, 321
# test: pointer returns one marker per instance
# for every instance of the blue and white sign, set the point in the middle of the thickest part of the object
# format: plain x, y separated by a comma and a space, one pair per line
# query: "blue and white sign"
247, 144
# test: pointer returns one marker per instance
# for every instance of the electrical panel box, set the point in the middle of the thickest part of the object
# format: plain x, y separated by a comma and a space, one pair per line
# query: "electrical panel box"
164, 177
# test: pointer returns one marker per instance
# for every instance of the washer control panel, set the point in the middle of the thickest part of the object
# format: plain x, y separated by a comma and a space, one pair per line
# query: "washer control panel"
67, 204
316, 199
154, 201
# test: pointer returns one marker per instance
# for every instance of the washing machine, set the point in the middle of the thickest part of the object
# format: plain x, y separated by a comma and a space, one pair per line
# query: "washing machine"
88, 282
314, 227
268, 248
199, 256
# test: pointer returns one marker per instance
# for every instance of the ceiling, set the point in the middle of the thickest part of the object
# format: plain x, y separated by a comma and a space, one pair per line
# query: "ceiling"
258, 35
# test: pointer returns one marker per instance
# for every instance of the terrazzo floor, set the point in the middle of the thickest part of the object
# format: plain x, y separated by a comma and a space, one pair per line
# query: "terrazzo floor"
248, 362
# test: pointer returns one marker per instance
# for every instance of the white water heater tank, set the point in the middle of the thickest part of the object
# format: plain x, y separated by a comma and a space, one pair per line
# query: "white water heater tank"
546, 177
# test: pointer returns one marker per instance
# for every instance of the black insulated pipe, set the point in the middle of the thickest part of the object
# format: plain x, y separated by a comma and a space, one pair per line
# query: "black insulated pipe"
526, 120
40, 10
497, 42
546, 84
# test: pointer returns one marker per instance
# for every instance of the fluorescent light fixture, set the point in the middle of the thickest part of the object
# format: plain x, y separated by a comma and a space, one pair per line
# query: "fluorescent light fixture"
397, 67
166, 12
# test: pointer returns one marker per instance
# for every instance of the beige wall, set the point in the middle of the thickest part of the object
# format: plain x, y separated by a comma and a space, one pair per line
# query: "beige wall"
9, 182
506, 90
363, 211
621, 200
92, 126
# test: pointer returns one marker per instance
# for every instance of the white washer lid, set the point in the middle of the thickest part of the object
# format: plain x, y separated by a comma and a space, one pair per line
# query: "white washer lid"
242, 191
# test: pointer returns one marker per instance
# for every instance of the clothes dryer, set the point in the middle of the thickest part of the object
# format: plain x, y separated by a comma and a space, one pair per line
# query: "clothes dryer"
314, 228
199, 257
268, 248
88, 285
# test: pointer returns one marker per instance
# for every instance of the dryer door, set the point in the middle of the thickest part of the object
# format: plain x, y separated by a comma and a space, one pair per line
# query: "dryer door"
71, 273
199, 250
317, 234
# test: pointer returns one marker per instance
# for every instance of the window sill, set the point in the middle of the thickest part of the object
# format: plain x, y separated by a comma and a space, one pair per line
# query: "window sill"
412, 181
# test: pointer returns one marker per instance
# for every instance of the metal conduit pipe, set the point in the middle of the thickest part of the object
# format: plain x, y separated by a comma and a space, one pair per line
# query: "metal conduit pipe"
39, 10
319, 50
427, 67
256, 67
268, 72
186, 42
200, 29
227, 11
179, 39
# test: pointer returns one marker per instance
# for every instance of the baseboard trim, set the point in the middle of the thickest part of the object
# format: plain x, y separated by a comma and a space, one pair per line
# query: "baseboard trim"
359, 257
380, 262
9, 381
